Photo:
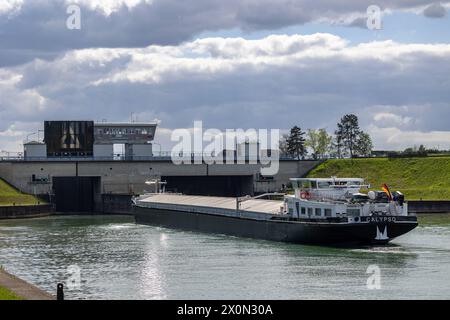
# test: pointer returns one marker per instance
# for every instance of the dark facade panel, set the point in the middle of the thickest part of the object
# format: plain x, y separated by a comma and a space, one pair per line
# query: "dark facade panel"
69, 138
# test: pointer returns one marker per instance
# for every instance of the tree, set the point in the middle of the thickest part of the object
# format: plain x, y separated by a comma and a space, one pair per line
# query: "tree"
337, 145
364, 144
422, 150
319, 141
296, 142
312, 141
325, 141
348, 132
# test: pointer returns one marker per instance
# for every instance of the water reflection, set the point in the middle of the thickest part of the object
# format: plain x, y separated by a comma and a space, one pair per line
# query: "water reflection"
151, 273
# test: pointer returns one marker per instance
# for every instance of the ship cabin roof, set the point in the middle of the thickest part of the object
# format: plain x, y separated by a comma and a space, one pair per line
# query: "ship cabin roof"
326, 183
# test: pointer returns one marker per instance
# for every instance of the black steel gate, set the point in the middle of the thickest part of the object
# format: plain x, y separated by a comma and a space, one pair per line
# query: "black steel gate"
74, 194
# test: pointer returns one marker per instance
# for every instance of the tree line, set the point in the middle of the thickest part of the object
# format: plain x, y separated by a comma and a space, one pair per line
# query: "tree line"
348, 141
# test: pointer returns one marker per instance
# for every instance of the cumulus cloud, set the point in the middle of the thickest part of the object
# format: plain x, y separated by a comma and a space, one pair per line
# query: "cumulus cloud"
387, 119
37, 28
274, 82
10, 6
392, 138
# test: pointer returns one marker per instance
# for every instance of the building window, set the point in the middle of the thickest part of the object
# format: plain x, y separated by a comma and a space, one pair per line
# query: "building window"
310, 211
318, 212
304, 210
327, 212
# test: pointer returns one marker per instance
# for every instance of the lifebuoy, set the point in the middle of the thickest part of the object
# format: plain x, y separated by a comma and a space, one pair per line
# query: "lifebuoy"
305, 195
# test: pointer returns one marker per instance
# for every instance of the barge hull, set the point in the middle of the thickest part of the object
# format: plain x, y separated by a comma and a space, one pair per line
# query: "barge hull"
275, 230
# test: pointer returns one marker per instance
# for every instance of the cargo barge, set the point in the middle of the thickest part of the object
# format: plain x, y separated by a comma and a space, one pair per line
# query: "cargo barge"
322, 211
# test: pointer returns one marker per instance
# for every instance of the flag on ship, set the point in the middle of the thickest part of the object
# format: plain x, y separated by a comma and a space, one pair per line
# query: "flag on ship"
388, 192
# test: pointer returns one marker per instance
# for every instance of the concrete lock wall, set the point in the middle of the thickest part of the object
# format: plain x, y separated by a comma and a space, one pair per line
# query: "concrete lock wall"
128, 177
20, 174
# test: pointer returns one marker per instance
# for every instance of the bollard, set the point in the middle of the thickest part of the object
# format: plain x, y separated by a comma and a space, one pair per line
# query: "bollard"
60, 291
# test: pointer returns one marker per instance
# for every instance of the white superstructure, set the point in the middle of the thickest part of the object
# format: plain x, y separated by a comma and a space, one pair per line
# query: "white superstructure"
341, 197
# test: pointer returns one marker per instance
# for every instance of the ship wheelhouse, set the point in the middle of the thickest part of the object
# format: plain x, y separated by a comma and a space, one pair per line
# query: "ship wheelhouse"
330, 198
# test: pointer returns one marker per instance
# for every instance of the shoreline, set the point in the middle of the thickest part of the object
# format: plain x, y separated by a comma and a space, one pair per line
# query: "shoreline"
25, 211
21, 288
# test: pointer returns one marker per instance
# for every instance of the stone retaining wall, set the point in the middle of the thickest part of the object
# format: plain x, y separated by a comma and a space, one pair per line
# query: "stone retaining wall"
429, 206
15, 212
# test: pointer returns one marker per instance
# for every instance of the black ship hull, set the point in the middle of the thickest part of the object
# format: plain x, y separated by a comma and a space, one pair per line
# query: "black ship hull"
378, 231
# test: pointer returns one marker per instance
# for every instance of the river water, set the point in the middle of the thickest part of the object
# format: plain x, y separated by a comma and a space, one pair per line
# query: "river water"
119, 259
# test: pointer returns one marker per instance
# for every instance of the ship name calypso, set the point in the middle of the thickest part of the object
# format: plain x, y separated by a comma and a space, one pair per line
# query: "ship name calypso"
381, 219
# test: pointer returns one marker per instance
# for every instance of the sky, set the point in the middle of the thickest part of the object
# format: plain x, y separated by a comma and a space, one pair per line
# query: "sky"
232, 64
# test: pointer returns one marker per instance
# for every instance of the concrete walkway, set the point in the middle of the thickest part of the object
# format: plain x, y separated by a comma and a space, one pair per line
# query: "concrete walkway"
22, 288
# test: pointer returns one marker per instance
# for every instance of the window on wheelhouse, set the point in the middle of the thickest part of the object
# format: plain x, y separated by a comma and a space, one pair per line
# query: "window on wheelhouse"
303, 210
318, 212
327, 212
310, 211
324, 184
305, 184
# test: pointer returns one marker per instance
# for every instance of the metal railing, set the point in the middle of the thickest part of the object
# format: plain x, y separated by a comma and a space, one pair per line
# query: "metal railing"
157, 156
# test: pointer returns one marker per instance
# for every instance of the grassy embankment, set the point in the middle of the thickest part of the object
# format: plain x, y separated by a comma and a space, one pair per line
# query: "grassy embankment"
418, 178
5, 294
10, 195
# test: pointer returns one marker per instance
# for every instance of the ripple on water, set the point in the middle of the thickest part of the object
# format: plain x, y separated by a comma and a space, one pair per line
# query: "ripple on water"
384, 249
122, 260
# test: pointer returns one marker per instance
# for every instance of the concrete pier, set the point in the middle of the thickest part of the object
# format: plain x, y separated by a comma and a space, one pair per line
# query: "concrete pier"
29, 211
429, 206
22, 288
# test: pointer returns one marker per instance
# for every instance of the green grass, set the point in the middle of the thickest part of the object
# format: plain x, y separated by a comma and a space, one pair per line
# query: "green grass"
5, 294
418, 178
10, 195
